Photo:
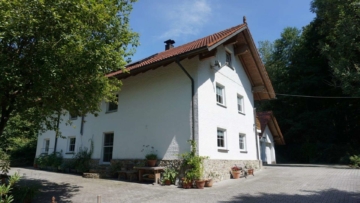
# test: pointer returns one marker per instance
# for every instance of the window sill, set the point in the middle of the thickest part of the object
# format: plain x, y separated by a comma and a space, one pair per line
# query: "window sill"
241, 113
223, 150
222, 105
111, 111
245, 152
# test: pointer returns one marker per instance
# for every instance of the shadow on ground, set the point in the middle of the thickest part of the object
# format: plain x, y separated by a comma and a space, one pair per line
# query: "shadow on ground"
310, 165
328, 196
47, 190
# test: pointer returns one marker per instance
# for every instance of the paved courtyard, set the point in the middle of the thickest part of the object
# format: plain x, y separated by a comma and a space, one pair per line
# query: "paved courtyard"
280, 183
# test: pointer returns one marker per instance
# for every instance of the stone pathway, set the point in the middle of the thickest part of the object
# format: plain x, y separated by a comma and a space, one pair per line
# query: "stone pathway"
277, 183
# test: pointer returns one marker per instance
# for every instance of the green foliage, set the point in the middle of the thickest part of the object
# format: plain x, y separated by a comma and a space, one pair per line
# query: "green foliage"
82, 158
51, 47
54, 160
4, 162
169, 174
5, 189
355, 160
315, 129
193, 163
339, 23
151, 156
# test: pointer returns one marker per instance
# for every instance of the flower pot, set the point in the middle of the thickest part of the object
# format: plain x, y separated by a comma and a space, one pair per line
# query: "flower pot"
200, 184
186, 184
250, 171
167, 182
209, 183
151, 163
236, 174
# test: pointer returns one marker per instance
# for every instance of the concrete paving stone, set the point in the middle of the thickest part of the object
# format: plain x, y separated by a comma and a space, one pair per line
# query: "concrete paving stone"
275, 183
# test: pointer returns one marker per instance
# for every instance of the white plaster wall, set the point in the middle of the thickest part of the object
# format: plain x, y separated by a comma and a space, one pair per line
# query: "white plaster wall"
268, 147
154, 109
212, 116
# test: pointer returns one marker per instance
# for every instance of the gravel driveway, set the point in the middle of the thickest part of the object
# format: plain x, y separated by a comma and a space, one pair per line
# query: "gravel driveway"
276, 183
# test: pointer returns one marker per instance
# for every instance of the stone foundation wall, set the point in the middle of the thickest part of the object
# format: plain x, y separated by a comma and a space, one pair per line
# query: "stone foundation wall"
222, 167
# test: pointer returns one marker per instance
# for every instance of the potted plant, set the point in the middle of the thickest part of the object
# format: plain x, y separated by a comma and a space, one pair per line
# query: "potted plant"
151, 159
250, 169
236, 172
194, 165
210, 180
169, 176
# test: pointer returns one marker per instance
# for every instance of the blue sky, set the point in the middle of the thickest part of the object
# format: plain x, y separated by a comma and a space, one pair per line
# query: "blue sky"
188, 20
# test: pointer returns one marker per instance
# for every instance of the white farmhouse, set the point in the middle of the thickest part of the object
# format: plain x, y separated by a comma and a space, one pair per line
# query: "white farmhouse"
203, 90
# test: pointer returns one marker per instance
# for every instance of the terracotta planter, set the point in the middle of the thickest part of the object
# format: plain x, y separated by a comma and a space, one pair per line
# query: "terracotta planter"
186, 185
236, 174
151, 163
200, 184
167, 182
209, 183
250, 171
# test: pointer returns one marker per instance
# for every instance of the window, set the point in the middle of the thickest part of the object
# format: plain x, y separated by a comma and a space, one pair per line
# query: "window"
113, 106
46, 146
220, 96
228, 59
242, 142
71, 144
240, 103
108, 146
221, 138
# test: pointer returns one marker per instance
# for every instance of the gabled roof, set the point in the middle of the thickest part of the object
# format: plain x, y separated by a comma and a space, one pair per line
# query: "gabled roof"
268, 119
239, 36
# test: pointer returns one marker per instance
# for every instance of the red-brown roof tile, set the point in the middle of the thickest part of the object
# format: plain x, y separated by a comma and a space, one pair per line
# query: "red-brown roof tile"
200, 43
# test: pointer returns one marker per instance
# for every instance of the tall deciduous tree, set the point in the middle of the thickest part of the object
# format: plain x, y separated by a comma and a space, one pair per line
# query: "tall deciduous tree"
339, 22
54, 55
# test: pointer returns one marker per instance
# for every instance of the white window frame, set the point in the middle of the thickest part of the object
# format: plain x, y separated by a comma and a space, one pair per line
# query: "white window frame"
224, 138
240, 102
69, 144
46, 142
228, 60
242, 139
103, 147
222, 96
108, 105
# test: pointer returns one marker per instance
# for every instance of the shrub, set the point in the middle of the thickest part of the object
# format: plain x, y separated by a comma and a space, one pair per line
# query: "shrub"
355, 160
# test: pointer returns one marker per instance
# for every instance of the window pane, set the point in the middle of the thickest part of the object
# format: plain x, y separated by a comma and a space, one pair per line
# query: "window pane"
108, 147
240, 103
219, 94
242, 142
220, 138
112, 106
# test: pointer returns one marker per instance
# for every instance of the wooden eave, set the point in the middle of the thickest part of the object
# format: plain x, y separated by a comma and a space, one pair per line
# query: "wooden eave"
275, 131
254, 68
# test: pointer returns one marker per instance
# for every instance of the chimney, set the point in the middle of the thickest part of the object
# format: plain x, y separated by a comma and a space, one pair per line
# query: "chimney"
169, 44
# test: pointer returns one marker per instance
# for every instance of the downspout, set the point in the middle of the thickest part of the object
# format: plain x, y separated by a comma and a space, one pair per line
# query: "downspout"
192, 97
256, 136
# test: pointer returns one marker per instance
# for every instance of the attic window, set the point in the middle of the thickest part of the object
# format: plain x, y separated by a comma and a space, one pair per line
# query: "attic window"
228, 60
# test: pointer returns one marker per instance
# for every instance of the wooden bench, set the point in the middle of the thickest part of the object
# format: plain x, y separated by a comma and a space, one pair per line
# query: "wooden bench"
155, 171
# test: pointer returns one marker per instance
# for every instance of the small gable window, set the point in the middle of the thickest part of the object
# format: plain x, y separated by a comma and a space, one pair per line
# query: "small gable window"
228, 59
220, 94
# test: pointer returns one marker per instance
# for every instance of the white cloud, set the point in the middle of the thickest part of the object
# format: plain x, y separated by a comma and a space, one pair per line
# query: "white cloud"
187, 18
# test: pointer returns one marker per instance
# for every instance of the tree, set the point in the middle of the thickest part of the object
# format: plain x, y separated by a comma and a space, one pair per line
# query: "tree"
339, 22
54, 55
315, 129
